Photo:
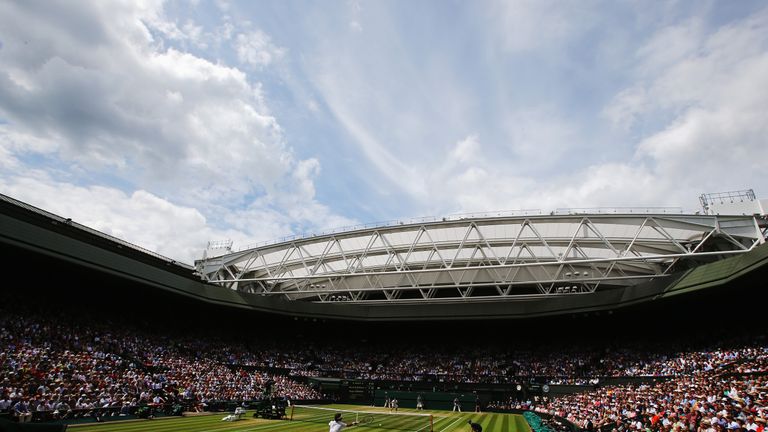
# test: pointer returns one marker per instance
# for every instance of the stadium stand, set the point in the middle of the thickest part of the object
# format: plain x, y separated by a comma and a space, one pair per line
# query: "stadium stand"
63, 363
78, 344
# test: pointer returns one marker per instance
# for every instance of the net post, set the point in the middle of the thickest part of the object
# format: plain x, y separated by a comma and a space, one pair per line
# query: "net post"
293, 407
431, 423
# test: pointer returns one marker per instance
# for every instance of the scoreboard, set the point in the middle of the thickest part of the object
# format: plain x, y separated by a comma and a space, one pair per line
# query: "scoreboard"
358, 389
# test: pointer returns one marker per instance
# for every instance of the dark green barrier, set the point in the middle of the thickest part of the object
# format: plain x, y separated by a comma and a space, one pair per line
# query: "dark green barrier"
431, 400
549, 423
534, 421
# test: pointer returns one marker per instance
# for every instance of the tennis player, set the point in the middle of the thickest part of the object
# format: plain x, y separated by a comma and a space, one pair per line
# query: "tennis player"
456, 405
475, 426
336, 425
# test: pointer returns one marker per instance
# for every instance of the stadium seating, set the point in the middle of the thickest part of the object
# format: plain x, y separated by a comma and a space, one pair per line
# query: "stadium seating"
66, 365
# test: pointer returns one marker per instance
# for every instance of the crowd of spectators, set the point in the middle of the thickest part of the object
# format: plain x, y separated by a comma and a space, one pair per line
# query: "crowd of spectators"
702, 391
706, 401
499, 366
58, 365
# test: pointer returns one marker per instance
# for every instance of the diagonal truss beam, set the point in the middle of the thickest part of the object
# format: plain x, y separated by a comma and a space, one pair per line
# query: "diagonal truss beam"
468, 256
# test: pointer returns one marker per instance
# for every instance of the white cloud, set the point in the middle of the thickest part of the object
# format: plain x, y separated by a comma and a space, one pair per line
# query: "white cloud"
670, 45
94, 91
691, 110
159, 225
404, 110
224, 32
8, 160
707, 92
256, 49
407, 177
104, 99
223, 5
18, 143
539, 137
466, 150
626, 106
468, 180
719, 90
140, 217
530, 25
607, 185
518, 121
472, 182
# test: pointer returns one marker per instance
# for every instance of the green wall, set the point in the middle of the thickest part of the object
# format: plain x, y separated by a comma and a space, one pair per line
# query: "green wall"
432, 400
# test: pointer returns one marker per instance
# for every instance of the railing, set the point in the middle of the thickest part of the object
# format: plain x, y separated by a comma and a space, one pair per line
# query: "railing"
461, 216
619, 210
709, 198
393, 223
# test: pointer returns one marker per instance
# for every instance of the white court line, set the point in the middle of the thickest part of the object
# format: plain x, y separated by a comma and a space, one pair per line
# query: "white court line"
277, 425
452, 423
259, 427
418, 430
310, 419
433, 423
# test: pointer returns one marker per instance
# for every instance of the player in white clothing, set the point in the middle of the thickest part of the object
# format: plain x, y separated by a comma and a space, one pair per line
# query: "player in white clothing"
456, 405
336, 425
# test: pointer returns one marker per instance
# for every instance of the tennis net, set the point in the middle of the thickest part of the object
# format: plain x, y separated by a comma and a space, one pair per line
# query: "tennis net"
364, 419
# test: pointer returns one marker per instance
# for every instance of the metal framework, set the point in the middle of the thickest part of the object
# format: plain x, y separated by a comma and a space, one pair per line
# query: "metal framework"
484, 259
708, 199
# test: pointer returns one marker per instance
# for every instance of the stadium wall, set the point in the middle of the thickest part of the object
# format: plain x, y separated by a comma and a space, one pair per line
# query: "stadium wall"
432, 400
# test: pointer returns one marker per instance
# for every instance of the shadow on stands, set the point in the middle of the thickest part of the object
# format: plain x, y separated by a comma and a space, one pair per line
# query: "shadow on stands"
7, 425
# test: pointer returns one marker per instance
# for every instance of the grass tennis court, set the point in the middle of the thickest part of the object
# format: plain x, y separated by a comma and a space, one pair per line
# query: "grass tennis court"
444, 421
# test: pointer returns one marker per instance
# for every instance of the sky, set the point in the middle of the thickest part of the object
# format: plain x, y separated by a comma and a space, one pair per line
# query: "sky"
173, 123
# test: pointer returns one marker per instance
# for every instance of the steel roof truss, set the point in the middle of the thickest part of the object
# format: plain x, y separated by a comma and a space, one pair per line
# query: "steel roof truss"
481, 258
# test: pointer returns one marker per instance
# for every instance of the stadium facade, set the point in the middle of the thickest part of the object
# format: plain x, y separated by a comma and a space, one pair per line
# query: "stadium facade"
507, 265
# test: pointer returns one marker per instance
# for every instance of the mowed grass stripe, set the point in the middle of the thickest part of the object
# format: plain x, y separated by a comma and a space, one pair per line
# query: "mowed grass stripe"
207, 423
394, 423
436, 424
455, 424
482, 419
140, 425
492, 419
286, 426
505, 423
211, 423
521, 425
229, 426
282, 426
443, 422
293, 427
448, 425
209, 426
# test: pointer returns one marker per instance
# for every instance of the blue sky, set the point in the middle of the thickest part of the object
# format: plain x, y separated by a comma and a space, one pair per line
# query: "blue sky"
172, 123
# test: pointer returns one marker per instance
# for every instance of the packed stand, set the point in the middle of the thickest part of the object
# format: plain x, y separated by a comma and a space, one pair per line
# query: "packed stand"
61, 369
577, 366
730, 393
57, 365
